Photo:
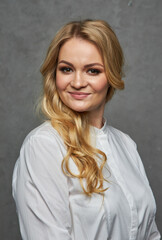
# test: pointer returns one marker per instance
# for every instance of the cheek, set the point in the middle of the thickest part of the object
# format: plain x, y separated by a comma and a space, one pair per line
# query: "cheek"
60, 82
101, 86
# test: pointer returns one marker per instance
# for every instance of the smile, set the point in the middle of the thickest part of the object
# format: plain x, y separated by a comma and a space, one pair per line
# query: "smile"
79, 95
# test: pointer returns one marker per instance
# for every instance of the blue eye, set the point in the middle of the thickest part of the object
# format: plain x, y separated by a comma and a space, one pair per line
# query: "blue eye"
94, 71
65, 69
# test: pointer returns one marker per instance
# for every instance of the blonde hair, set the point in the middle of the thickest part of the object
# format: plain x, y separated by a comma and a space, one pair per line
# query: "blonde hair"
74, 126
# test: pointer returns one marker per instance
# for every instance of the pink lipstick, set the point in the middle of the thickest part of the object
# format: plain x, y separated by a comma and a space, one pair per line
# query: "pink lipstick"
79, 95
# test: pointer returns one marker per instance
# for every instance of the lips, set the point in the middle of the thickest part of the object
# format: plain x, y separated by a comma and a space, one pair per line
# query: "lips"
79, 95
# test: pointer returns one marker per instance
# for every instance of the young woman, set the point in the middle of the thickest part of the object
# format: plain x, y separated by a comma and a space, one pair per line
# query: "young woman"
77, 177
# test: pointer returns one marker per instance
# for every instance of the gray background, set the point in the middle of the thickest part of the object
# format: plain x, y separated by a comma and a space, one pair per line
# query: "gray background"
27, 27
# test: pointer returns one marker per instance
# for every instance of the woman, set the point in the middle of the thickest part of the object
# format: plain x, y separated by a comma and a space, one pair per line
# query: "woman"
77, 177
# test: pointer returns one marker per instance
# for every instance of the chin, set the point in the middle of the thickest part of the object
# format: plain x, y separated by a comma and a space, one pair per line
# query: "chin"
78, 108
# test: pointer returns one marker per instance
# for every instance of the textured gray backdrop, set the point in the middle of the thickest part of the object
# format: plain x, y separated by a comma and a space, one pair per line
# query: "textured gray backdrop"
27, 28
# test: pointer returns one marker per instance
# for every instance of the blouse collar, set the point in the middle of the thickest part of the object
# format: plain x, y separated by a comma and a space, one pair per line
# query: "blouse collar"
99, 131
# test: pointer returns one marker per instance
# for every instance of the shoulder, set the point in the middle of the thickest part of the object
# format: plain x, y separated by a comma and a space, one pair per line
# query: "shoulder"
43, 142
45, 129
39, 161
43, 149
122, 143
121, 137
45, 132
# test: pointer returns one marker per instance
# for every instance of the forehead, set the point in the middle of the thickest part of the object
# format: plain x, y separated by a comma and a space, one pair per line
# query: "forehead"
78, 48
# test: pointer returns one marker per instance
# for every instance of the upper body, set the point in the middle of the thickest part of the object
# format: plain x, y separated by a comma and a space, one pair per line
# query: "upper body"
51, 205
76, 177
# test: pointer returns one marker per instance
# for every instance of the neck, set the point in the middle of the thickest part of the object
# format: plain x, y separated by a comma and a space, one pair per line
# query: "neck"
96, 118
96, 121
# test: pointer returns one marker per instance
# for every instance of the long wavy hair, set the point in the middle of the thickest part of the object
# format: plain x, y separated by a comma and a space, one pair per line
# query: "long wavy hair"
74, 127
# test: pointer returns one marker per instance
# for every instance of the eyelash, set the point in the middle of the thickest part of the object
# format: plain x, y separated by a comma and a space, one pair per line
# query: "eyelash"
65, 69
91, 71
94, 71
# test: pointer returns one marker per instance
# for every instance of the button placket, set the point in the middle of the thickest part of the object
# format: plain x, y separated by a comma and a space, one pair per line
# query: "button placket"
104, 146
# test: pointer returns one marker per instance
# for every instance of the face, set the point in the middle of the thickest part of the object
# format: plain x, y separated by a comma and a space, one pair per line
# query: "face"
80, 77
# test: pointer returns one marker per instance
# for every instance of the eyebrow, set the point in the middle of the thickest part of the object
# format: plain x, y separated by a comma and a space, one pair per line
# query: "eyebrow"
86, 66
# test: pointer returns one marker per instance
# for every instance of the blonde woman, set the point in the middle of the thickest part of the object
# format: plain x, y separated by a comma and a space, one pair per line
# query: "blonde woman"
77, 177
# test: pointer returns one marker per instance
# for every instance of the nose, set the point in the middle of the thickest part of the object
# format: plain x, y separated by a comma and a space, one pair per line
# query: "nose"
78, 81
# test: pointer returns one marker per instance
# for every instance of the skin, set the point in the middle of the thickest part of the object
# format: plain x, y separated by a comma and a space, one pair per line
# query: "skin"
81, 80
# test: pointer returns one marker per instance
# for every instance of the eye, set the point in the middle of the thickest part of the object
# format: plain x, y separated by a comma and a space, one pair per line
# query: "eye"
65, 69
94, 71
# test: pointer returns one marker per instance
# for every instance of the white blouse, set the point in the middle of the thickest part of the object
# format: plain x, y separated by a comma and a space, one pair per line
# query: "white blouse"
51, 205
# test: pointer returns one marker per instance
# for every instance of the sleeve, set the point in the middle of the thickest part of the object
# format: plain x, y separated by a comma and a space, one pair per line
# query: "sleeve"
40, 191
153, 233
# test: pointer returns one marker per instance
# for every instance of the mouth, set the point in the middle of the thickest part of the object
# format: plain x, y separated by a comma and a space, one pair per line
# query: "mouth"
79, 95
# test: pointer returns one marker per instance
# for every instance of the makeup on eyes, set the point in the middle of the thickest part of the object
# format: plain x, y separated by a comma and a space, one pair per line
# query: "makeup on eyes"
65, 69
92, 70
